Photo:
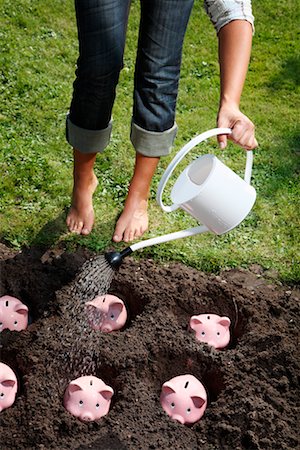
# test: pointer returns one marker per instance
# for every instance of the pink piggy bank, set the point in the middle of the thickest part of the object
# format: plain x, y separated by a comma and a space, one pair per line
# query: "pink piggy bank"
13, 314
106, 313
88, 398
211, 329
184, 398
8, 386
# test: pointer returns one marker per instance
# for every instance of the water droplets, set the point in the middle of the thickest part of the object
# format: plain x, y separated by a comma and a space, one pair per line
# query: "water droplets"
93, 280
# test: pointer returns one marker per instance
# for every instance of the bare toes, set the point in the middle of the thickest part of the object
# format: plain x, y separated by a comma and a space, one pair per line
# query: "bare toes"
118, 234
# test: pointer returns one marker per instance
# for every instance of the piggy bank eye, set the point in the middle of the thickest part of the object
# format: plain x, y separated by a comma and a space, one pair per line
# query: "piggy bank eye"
112, 316
218, 333
1, 324
2, 394
97, 406
188, 410
15, 322
203, 333
172, 405
80, 402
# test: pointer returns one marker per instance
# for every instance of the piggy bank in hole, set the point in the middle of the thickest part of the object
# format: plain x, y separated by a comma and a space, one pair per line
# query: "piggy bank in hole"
106, 313
13, 314
211, 329
88, 398
8, 386
184, 399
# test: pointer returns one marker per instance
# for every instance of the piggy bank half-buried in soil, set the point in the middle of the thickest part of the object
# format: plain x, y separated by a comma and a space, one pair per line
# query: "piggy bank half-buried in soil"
8, 386
88, 398
13, 314
211, 329
184, 399
106, 313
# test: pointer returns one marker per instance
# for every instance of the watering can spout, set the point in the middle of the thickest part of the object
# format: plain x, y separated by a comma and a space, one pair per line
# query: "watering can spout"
115, 259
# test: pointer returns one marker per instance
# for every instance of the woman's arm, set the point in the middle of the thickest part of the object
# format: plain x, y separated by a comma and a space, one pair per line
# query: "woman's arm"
235, 40
234, 23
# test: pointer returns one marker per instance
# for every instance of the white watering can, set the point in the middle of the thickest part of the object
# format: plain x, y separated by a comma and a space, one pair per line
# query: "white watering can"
208, 190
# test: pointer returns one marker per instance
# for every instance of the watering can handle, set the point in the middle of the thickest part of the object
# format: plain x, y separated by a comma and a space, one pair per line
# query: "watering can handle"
181, 154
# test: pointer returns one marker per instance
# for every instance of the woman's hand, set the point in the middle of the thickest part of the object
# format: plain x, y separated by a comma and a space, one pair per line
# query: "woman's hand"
230, 116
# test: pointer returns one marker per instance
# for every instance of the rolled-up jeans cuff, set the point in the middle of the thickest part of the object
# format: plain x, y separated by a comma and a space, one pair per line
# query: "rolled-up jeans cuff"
87, 141
152, 143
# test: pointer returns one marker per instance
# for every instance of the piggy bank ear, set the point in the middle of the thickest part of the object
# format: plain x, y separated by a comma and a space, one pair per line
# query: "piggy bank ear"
225, 321
91, 309
90, 305
117, 306
107, 393
8, 383
73, 387
167, 388
195, 321
21, 309
198, 401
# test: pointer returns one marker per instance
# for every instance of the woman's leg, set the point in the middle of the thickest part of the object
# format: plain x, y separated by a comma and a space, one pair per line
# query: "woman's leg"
162, 29
133, 221
101, 33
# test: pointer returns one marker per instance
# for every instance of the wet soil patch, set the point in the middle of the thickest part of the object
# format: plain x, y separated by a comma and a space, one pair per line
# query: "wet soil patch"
252, 385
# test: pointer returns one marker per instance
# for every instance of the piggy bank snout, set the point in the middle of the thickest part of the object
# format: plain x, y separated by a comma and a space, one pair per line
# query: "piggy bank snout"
87, 417
178, 418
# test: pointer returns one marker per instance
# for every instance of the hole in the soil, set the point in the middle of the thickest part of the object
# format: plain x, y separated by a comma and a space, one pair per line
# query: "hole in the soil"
217, 300
170, 364
34, 280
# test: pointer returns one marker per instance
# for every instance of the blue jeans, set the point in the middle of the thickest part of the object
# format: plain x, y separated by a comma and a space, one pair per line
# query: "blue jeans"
102, 32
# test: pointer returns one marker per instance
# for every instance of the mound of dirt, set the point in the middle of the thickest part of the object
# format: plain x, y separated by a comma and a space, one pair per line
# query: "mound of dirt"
252, 385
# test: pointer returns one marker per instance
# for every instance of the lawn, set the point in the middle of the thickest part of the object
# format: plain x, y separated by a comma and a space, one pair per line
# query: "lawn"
37, 63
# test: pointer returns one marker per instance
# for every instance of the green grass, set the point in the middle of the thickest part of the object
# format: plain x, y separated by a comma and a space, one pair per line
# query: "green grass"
37, 63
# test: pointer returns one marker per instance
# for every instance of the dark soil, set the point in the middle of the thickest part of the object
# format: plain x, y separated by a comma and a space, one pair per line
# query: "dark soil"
252, 385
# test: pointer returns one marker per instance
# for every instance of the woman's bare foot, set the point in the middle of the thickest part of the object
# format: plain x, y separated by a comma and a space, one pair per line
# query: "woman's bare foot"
133, 221
80, 219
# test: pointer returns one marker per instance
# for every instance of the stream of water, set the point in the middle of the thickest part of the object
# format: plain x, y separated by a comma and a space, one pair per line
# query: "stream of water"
93, 280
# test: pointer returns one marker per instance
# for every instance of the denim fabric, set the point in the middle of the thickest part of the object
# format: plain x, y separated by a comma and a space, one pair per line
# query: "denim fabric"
102, 32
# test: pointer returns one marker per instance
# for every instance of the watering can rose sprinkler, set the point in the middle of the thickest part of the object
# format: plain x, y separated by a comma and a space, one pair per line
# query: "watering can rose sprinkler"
208, 190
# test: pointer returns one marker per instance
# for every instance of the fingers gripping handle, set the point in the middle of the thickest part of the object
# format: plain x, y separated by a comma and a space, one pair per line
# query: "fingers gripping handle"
182, 153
